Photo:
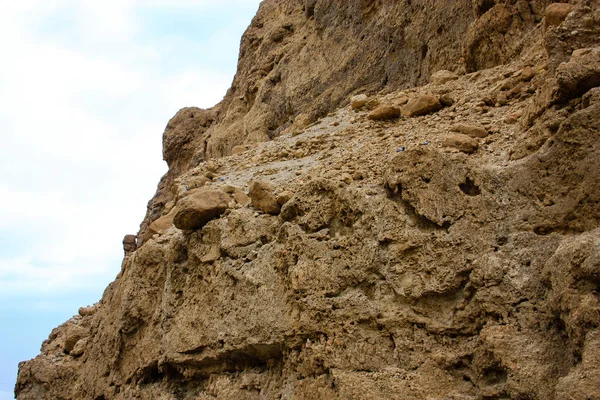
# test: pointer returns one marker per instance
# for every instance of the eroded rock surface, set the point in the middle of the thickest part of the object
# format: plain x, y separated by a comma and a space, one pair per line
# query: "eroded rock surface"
399, 259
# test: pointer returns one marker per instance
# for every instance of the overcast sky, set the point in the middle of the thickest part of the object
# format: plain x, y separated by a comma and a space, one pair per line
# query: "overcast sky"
86, 89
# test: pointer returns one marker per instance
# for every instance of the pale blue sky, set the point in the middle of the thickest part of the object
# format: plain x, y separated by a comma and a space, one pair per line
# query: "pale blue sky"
86, 89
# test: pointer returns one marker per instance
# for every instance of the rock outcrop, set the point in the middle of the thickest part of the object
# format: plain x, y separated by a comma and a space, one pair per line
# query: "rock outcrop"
449, 252
301, 59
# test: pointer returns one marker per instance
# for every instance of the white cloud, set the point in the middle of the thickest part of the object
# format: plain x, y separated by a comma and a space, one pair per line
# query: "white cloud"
81, 125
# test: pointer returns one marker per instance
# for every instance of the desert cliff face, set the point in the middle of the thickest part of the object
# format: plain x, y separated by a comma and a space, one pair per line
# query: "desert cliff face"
438, 238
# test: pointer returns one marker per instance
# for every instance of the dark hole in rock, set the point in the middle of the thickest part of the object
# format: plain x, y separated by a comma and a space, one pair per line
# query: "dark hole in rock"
470, 188
542, 230
485, 6
495, 374
424, 50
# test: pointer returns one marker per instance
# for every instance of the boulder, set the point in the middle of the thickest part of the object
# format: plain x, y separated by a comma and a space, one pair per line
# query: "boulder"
87, 311
556, 13
358, 101
472, 130
461, 142
421, 105
284, 197
199, 207
240, 197
129, 243
384, 112
446, 100
73, 334
262, 197
527, 74
79, 347
163, 223
443, 76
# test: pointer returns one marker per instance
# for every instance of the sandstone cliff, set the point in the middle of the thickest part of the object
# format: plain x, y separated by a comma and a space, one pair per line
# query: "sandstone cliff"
438, 238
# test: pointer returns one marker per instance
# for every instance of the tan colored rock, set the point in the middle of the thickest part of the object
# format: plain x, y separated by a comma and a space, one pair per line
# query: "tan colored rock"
461, 142
472, 130
443, 76
199, 207
87, 311
447, 100
384, 112
513, 118
556, 13
162, 224
437, 276
501, 99
302, 121
284, 197
372, 103
421, 105
73, 334
241, 149
262, 197
129, 243
400, 101
527, 74
79, 348
358, 101
346, 178
240, 197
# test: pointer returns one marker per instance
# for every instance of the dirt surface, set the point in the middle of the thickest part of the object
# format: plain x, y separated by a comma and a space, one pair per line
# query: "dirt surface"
453, 255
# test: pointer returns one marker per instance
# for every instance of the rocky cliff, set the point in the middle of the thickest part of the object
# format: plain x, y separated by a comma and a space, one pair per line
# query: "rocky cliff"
395, 200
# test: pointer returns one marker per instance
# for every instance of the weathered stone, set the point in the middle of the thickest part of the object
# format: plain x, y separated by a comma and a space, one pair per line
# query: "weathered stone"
556, 13
358, 101
384, 112
129, 243
461, 142
79, 348
73, 334
472, 130
400, 101
199, 207
284, 197
87, 311
346, 178
302, 121
447, 100
434, 275
240, 197
421, 105
162, 224
527, 74
443, 76
262, 197
241, 148
513, 118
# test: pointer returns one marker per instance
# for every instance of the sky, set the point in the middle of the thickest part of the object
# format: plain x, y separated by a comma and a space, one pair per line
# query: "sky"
86, 89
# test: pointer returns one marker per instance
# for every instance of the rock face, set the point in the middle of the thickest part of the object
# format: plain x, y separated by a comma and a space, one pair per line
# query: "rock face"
309, 56
372, 259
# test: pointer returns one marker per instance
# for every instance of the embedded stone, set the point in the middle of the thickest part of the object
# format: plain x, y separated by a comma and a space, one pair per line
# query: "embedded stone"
200, 207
